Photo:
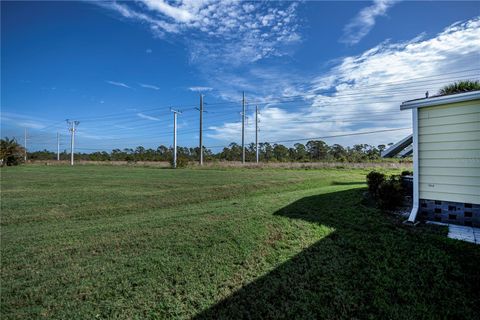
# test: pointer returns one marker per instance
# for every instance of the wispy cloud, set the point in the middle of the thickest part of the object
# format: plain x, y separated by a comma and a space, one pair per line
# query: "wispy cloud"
200, 89
363, 23
149, 86
224, 38
235, 31
179, 14
145, 116
118, 84
363, 93
157, 26
23, 121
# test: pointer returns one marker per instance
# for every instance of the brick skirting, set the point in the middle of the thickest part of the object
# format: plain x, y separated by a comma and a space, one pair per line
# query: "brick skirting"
465, 214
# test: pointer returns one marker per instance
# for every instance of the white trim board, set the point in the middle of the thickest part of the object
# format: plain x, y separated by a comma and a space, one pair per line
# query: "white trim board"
440, 100
416, 182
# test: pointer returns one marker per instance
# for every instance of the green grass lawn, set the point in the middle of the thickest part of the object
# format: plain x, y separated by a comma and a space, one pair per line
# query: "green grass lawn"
134, 243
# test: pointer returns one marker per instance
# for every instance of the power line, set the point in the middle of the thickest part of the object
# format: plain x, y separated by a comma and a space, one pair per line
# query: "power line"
337, 100
327, 137
350, 120
298, 139
309, 95
384, 93
321, 119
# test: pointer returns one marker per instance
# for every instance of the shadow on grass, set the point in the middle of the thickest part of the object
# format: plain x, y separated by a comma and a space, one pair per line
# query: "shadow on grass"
370, 267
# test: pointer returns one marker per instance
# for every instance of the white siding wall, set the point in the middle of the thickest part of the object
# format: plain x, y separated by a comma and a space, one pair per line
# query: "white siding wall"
449, 152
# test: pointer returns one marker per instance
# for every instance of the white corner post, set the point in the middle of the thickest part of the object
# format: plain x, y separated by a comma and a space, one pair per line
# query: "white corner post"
416, 191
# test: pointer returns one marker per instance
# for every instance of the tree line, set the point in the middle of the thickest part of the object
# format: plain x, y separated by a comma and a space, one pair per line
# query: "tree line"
314, 150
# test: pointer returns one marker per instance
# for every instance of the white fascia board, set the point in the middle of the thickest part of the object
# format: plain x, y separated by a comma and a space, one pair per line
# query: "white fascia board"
437, 101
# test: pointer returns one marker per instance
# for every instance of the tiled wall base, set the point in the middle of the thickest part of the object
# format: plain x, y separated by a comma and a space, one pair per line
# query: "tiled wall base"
465, 214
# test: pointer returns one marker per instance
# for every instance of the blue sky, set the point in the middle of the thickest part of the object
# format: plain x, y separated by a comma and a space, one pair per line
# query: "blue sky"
314, 69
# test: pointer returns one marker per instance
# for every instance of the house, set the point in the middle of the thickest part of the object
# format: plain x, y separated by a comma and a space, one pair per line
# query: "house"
446, 158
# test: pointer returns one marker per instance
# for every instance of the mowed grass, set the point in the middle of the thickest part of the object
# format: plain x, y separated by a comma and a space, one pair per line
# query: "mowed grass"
133, 243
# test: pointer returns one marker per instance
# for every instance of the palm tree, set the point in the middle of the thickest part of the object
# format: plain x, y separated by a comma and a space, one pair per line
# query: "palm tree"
460, 86
11, 153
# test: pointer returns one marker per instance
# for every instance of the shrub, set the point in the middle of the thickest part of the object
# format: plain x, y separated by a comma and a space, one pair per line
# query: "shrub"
406, 173
130, 159
390, 193
182, 162
374, 179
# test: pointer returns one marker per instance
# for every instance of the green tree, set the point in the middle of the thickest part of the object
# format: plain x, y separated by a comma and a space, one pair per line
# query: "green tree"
266, 151
251, 152
11, 153
317, 149
381, 147
460, 86
301, 153
232, 153
164, 153
118, 155
280, 152
338, 152
42, 155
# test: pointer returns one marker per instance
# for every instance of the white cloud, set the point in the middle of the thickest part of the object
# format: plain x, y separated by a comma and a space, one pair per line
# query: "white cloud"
24, 121
149, 86
200, 89
31, 124
360, 93
363, 93
156, 25
118, 84
145, 116
361, 25
228, 31
122, 127
176, 13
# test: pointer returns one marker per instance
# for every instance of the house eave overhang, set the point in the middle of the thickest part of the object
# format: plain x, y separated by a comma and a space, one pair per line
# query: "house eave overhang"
440, 100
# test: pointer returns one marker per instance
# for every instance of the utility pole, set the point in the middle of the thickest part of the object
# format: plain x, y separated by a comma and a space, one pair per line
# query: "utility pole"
175, 112
58, 147
201, 129
25, 145
256, 133
243, 128
72, 129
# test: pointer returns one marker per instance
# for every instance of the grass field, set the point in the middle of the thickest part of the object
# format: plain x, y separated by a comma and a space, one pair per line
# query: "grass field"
134, 243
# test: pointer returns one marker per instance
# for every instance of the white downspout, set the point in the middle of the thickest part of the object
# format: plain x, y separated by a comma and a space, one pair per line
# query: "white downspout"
416, 200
